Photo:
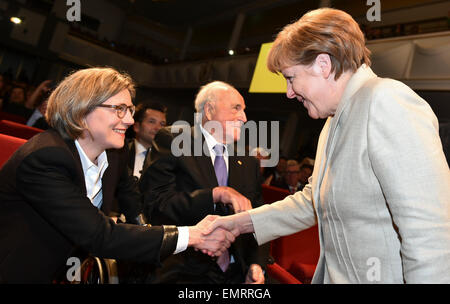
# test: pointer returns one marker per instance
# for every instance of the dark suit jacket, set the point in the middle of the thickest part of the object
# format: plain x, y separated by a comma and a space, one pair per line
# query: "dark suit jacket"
178, 191
41, 123
45, 214
132, 156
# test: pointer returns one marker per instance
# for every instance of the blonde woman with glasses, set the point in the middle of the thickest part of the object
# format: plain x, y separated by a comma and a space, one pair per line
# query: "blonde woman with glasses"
58, 188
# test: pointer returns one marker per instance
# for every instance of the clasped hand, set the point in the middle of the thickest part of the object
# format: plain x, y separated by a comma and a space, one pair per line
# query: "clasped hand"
213, 242
214, 234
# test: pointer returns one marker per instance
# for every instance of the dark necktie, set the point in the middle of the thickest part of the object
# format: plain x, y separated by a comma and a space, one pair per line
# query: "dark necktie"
222, 179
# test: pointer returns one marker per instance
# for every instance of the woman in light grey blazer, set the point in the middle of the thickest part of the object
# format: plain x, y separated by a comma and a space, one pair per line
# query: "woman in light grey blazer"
380, 190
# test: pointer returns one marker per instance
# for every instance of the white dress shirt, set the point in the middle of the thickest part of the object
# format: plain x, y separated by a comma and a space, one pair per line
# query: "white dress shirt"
93, 175
139, 158
211, 142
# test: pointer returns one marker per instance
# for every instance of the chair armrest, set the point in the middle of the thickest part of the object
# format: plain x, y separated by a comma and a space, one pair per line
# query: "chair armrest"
279, 273
303, 272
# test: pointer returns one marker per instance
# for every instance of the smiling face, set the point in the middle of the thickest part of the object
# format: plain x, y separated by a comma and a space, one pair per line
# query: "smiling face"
312, 88
228, 111
105, 130
146, 130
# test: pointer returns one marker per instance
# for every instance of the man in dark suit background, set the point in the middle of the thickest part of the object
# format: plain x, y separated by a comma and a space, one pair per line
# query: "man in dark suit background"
148, 120
182, 189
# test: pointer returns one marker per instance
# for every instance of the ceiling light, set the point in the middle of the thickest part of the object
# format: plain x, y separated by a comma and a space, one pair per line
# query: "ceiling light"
16, 20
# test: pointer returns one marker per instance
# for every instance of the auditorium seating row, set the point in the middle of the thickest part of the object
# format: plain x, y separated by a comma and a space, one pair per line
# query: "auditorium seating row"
12, 117
17, 129
13, 133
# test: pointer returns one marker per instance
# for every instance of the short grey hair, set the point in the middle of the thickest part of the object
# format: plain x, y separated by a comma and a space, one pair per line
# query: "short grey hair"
207, 94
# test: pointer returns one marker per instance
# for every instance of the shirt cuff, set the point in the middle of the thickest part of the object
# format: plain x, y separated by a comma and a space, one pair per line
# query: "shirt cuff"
183, 239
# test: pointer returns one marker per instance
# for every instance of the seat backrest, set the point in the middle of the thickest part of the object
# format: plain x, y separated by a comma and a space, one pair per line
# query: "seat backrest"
18, 130
272, 194
12, 117
300, 247
8, 145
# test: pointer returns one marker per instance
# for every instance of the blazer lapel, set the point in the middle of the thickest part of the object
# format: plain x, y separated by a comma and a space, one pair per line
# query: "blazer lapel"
80, 174
131, 156
203, 164
206, 171
147, 159
329, 134
234, 176
321, 160
361, 76
107, 181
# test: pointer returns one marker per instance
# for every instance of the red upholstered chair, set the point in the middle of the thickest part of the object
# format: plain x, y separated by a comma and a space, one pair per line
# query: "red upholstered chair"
295, 256
18, 130
12, 117
8, 145
272, 194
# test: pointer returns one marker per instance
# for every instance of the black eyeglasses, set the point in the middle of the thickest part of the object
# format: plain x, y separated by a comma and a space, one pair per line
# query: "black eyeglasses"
121, 110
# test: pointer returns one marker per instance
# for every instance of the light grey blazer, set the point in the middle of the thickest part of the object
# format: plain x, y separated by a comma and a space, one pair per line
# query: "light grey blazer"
379, 192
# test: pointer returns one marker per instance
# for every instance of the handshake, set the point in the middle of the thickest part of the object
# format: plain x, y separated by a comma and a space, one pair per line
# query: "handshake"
209, 238
214, 234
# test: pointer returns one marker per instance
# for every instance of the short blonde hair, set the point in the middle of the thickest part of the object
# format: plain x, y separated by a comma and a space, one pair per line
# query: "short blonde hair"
324, 30
79, 94
208, 94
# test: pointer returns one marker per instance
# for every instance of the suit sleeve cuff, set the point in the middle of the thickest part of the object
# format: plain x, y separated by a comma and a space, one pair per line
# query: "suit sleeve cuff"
183, 239
169, 242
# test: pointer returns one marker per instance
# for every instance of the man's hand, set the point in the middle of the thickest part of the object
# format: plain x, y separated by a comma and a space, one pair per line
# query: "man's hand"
214, 242
255, 275
235, 224
230, 196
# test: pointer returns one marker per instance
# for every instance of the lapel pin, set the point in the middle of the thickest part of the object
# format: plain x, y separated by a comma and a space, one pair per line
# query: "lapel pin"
239, 162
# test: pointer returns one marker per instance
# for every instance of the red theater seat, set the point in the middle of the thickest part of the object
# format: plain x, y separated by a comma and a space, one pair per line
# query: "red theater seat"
295, 255
272, 194
18, 130
12, 117
9, 145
